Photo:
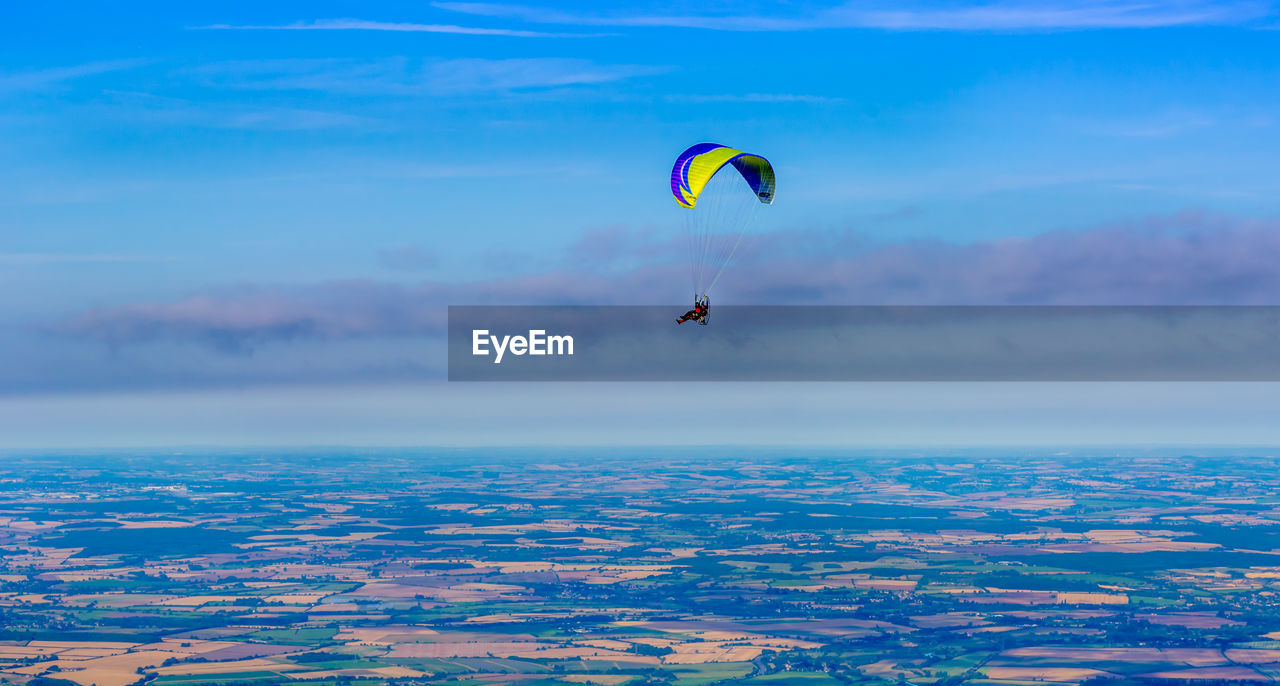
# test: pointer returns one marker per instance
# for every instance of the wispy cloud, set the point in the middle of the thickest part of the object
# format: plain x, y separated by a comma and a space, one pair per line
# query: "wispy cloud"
44, 258
754, 97
399, 27
409, 258
1053, 15
545, 15
38, 79
1166, 124
393, 75
289, 119
168, 111
467, 75
400, 76
996, 16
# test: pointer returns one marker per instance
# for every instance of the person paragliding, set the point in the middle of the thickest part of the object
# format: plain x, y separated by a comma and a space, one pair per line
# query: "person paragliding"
700, 312
707, 180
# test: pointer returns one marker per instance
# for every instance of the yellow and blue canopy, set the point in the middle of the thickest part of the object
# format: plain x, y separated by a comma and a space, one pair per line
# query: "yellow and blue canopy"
695, 167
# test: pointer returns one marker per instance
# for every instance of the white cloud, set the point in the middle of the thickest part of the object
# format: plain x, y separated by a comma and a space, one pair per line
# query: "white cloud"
168, 111
399, 27
997, 16
38, 79
42, 258
399, 76
467, 75
755, 97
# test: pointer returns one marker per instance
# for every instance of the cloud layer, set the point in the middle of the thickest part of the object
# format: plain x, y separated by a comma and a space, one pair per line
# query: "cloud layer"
1177, 260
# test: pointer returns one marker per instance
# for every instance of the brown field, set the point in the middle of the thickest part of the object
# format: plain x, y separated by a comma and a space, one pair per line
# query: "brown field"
950, 619
19, 652
459, 593
1252, 655
115, 645
1189, 620
1215, 673
1196, 657
197, 600
886, 584
114, 670
602, 679
478, 649
719, 653
154, 523
1044, 673
87, 653
580, 653
1070, 598
607, 644
248, 665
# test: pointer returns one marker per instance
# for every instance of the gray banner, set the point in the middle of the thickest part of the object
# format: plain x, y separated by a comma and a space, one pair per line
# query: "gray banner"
906, 343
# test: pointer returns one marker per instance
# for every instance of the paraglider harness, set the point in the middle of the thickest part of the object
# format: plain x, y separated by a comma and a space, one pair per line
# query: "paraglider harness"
700, 313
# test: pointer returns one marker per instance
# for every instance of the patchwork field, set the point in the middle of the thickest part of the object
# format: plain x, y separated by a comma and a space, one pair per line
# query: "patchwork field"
472, 569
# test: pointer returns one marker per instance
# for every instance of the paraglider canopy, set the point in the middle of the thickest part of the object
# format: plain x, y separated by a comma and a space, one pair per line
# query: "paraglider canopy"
708, 181
695, 167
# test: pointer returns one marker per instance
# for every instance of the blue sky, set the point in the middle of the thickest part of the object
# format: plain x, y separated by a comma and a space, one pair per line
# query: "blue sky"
199, 199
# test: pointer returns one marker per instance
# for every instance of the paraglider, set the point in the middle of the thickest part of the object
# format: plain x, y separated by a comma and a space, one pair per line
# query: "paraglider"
708, 181
701, 310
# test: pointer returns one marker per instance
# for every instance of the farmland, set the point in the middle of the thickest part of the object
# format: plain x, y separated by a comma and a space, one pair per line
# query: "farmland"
471, 568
